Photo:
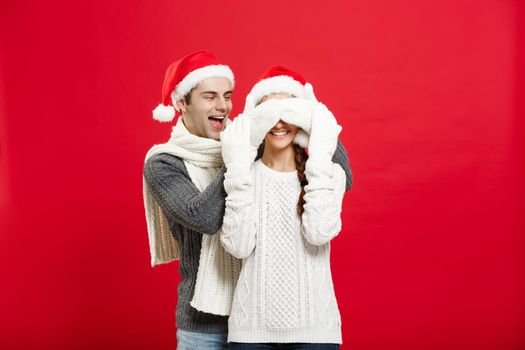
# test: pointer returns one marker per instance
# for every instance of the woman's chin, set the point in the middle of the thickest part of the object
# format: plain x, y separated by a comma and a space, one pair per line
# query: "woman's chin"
278, 144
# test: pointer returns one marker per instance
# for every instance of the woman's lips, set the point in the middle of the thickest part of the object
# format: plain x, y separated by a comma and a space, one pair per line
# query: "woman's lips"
279, 133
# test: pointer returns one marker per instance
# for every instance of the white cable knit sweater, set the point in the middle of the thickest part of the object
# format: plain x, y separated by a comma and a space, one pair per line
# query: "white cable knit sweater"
285, 292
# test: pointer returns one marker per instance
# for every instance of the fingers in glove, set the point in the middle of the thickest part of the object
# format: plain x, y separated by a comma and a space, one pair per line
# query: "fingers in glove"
309, 91
250, 103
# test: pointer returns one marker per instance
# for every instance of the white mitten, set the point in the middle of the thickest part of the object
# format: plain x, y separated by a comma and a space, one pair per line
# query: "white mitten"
323, 137
329, 118
296, 111
263, 119
249, 104
237, 152
309, 92
303, 138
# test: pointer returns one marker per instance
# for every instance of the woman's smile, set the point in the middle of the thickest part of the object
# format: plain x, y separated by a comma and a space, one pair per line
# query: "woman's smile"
280, 133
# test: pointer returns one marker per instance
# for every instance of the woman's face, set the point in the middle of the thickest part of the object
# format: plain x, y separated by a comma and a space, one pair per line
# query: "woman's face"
282, 134
278, 96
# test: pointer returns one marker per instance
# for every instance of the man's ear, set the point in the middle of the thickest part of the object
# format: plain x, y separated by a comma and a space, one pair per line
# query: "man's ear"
180, 106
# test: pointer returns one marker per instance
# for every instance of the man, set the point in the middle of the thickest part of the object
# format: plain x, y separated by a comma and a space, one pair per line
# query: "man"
185, 199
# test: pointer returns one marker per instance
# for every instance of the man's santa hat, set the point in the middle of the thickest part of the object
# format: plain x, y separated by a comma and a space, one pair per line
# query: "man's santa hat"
183, 75
278, 79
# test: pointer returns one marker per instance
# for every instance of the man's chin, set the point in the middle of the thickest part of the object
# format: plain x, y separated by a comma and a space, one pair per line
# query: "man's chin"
214, 135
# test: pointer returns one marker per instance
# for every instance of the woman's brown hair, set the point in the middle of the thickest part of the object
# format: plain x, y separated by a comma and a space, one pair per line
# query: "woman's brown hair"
300, 161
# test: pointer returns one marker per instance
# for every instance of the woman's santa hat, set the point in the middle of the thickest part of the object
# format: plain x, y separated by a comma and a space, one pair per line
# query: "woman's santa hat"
183, 75
278, 79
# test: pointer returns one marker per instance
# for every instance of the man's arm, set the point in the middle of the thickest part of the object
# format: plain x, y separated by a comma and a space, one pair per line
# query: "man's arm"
180, 199
340, 157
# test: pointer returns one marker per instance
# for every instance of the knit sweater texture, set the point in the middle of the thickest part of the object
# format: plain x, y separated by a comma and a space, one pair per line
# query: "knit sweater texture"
285, 292
190, 214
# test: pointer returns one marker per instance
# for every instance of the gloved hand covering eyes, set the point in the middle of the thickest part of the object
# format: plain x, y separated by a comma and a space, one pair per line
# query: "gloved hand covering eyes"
237, 152
295, 111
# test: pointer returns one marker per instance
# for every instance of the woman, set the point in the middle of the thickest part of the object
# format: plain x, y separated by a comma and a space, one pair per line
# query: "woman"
281, 213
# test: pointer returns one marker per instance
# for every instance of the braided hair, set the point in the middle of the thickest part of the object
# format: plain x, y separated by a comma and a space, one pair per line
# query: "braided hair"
300, 161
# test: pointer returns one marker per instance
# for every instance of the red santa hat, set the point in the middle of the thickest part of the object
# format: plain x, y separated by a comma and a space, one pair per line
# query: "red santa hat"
278, 79
183, 75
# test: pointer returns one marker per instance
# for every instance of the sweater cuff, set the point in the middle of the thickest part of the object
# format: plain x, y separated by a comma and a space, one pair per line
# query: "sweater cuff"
320, 166
237, 171
320, 176
237, 179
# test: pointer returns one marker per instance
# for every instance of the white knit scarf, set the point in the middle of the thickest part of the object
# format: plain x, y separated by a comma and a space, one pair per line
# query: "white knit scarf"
218, 271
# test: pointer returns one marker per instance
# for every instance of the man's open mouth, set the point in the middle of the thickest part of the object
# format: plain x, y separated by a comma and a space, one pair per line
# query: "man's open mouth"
217, 121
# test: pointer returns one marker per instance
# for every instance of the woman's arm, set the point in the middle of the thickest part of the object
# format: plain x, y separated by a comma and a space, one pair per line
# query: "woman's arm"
238, 231
340, 157
321, 220
237, 234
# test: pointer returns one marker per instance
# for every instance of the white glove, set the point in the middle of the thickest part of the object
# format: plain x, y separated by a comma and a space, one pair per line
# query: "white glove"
249, 104
302, 138
323, 137
309, 92
263, 119
237, 153
295, 111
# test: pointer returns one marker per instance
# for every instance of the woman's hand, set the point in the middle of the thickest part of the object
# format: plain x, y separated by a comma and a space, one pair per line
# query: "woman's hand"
296, 111
263, 119
237, 152
323, 136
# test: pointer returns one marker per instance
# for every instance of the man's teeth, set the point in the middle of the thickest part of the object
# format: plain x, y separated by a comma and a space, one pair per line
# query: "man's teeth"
217, 117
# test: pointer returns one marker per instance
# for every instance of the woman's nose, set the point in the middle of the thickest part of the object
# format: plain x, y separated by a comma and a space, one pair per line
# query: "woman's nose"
279, 124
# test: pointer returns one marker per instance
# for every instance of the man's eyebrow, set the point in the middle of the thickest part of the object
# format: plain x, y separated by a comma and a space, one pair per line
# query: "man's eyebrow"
215, 92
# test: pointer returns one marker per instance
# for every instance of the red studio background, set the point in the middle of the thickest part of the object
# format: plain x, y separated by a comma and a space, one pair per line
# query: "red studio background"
431, 98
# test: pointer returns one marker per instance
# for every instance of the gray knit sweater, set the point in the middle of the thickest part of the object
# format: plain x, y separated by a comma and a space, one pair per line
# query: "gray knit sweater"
191, 214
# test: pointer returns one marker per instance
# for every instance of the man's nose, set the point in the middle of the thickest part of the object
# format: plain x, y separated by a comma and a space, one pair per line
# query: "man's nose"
220, 105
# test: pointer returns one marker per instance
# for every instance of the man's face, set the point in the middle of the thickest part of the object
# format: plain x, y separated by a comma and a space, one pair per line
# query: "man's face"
209, 107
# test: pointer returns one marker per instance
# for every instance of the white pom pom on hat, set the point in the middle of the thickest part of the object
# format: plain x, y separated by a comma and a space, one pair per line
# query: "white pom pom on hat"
183, 75
164, 113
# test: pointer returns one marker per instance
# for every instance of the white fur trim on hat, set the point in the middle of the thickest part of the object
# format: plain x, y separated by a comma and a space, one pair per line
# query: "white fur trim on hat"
193, 78
278, 84
163, 113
